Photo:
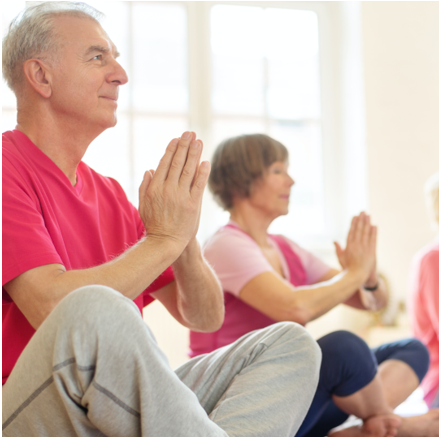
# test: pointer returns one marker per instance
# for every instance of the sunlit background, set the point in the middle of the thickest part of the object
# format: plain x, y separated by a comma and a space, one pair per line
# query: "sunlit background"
350, 88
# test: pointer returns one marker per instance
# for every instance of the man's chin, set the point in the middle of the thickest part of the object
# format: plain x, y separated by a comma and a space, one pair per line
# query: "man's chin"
111, 122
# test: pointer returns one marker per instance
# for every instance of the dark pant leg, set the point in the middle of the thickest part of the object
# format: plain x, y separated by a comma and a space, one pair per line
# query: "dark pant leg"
411, 351
348, 365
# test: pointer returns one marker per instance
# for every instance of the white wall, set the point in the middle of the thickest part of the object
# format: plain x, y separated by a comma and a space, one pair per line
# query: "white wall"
401, 61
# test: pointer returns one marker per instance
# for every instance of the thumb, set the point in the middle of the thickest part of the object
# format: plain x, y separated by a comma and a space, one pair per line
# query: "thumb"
338, 249
147, 178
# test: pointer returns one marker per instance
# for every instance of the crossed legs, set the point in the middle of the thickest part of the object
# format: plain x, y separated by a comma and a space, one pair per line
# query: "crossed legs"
93, 368
351, 382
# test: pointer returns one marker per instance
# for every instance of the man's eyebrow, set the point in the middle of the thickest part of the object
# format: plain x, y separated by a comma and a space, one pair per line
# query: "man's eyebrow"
102, 49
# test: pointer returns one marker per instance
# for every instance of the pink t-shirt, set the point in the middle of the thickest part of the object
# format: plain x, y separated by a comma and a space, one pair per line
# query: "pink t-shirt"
424, 310
236, 259
46, 220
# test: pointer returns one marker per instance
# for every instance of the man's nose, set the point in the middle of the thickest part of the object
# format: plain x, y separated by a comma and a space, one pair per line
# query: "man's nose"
118, 75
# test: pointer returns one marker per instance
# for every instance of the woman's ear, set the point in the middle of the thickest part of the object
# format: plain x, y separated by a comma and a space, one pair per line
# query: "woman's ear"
38, 76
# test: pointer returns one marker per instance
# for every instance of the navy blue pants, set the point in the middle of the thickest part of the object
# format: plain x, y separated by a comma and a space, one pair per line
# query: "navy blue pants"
348, 365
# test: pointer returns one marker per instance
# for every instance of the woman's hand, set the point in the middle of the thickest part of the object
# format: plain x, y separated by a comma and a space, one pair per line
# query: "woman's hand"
360, 252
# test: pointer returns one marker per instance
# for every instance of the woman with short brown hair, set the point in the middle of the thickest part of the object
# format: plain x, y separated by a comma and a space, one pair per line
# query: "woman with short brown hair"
269, 278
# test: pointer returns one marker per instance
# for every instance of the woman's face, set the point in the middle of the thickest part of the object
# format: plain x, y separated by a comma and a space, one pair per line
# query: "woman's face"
271, 194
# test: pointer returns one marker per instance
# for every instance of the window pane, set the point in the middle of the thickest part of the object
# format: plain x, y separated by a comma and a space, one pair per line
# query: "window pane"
237, 60
160, 80
223, 128
291, 48
266, 63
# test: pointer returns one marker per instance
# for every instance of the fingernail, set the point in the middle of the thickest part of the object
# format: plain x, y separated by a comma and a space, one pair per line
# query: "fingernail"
195, 144
186, 135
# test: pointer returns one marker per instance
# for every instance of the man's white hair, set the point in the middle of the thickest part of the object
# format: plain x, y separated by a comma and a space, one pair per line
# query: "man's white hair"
31, 34
431, 190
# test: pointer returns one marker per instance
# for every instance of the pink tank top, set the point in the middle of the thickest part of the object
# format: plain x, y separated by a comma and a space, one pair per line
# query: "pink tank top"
241, 318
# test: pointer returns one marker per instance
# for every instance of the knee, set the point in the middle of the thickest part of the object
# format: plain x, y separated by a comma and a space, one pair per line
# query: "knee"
414, 353
418, 349
93, 303
340, 346
347, 363
300, 339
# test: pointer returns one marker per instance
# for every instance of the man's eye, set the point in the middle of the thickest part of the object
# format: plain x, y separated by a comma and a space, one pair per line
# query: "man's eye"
98, 57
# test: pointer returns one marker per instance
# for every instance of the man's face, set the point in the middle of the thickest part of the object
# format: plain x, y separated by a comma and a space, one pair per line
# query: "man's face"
85, 75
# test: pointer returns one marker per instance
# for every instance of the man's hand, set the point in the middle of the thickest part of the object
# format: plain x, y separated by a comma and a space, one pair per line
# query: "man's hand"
170, 198
360, 252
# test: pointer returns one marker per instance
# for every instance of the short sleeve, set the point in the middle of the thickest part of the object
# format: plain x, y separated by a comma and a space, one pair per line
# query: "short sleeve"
26, 241
235, 258
314, 267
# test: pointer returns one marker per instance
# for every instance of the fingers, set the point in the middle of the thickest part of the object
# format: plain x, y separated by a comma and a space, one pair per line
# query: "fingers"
200, 181
338, 249
373, 238
189, 172
147, 177
360, 231
165, 163
186, 150
366, 229
352, 231
358, 237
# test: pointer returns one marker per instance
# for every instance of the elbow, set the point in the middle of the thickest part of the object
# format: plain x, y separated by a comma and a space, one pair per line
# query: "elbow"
299, 313
216, 322
211, 323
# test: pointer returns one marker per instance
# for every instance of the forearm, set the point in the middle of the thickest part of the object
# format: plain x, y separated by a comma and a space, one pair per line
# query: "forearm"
130, 274
200, 299
374, 300
312, 301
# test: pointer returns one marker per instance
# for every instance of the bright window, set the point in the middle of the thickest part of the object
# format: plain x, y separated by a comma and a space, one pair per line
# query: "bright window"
265, 78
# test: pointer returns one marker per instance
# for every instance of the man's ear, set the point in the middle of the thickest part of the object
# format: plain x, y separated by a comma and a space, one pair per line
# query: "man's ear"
38, 76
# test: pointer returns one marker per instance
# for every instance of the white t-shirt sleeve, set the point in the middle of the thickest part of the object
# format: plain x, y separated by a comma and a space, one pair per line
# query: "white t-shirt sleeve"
236, 259
314, 267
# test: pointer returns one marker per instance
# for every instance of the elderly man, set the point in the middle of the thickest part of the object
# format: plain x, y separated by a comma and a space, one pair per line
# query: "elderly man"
79, 262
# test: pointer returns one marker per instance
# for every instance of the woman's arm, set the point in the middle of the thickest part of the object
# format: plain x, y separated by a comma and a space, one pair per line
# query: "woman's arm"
279, 300
363, 299
276, 298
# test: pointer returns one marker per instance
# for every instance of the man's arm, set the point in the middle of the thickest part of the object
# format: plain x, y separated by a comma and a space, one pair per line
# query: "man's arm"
169, 205
195, 298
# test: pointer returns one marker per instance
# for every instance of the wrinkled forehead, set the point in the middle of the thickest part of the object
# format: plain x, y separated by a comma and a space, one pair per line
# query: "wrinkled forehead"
81, 33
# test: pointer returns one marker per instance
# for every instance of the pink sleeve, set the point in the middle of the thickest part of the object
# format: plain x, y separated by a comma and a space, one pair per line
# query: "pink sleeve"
236, 259
314, 267
26, 240
429, 287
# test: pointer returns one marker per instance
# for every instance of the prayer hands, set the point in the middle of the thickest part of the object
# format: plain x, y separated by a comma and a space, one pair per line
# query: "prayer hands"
360, 252
170, 197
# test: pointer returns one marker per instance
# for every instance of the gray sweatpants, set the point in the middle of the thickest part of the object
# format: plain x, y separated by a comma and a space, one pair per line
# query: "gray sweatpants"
93, 368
